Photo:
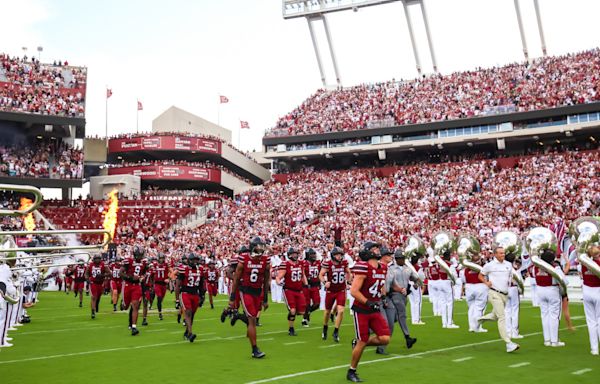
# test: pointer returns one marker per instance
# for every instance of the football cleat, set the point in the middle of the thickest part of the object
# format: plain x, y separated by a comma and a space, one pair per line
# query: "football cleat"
292, 332
160, 316
305, 323
336, 337
80, 305
185, 334
134, 331
93, 315
212, 306
353, 376
410, 342
224, 314
191, 337
144, 322
258, 354
381, 351
234, 318
324, 335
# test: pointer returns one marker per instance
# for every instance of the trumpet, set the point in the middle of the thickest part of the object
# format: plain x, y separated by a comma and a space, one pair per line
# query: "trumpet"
468, 246
537, 241
585, 232
443, 242
511, 243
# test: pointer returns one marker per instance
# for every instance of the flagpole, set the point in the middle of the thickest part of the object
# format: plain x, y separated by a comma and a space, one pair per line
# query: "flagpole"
106, 115
137, 118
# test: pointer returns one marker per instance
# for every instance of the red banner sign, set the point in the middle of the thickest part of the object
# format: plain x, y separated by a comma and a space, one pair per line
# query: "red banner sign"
169, 172
164, 143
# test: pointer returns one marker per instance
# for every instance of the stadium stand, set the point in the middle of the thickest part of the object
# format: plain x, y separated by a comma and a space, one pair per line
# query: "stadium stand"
544, 83
32, 87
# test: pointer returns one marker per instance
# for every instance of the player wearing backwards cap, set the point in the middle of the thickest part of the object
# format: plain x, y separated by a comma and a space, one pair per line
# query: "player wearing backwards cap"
95, 273
367, 290
290, 274
133, 271
334, 275
190, 289
312, 267
252, 278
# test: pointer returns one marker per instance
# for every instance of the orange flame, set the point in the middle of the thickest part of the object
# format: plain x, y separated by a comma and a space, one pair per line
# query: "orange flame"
110, 213
28, 220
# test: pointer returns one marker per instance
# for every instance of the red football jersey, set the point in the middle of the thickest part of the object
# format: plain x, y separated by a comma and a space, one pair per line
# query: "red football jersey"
135, 268
96, 272
311, 270
373, 283
212, 275
253, 273
190, 277
293, 274
115, 271
336, 274
79, 272
160, 272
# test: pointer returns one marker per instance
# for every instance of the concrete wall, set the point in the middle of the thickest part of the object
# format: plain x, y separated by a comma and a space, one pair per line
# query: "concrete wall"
127, 185
236, 185
94, 150
245, 163
177, 120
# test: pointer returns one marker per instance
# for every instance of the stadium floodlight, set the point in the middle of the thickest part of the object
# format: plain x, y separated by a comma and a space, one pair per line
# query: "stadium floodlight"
316, 10
40, 49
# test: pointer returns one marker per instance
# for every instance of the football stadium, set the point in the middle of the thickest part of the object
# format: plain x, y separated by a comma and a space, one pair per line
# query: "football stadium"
300, 191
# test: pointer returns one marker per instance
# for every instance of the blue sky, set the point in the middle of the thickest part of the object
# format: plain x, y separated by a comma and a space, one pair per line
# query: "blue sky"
186, 53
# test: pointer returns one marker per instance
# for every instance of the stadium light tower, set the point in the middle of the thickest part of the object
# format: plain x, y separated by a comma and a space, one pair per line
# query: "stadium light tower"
539, 24
316, 10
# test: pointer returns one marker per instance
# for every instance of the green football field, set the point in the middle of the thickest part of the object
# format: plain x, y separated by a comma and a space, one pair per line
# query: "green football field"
63, 345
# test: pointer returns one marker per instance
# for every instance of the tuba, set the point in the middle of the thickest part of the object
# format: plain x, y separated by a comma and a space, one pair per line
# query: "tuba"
441, 243
511, 243
468, 246
585, 232
538, 240
414, 247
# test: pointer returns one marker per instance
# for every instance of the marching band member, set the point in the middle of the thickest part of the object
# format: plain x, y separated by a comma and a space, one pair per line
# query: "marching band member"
415, 251
549, 299
591, 298
476, 294
513, 302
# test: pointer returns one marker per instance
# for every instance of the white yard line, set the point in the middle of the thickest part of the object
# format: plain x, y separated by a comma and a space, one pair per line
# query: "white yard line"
295, 342
582, 371
519, 365
395, 357
463, 359
330, 346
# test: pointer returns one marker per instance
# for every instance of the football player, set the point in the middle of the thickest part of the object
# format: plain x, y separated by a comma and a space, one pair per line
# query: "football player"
188, 290
160, 278
312, 267
291, 276
79, 277
96, 273
367, 290
133, 271
334, 275
116, 284
252, 279
212, 281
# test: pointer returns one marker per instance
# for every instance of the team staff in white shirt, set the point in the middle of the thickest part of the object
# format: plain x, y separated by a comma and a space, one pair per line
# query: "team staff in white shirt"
497, 275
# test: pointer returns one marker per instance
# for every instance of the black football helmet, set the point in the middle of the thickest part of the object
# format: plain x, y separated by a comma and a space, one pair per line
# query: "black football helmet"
292, 254
138, 252
311, 254
337, 254
257, 246
193, 258
369, 250
243, 249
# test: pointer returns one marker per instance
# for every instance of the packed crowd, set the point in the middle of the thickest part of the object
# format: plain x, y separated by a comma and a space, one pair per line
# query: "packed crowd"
545, 83
30, 86
42, 159
316, 208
